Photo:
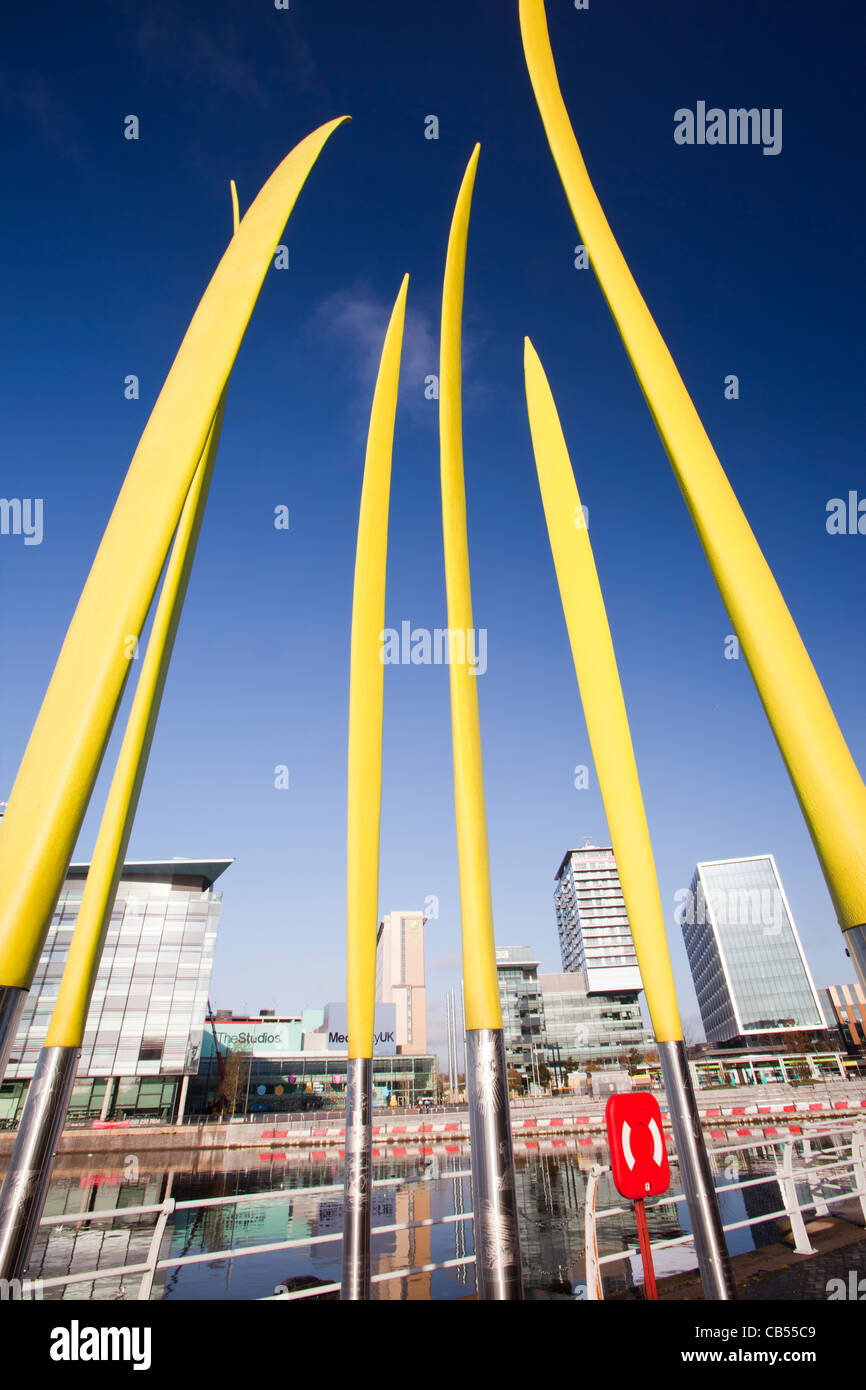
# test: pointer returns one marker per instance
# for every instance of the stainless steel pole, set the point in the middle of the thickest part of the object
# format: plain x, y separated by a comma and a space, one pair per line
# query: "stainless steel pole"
26, 1184
11, 1003
357, 1182
710, 1248
494, 1192
455, 1051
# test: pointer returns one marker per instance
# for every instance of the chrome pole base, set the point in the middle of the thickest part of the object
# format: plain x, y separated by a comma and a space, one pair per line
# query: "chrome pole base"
855, 944
357, 1183
494, 1192
712, 1252
11, 1003
26, 1185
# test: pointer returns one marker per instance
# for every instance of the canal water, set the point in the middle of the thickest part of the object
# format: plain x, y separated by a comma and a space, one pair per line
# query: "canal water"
421, 1187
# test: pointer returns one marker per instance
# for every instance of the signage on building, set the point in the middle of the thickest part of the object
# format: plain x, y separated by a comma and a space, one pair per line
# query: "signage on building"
260, 1037
638, 1157
336, 1029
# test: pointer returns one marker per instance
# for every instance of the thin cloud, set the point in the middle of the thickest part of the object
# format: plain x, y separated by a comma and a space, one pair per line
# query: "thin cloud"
360, 318
171, 43
29, 96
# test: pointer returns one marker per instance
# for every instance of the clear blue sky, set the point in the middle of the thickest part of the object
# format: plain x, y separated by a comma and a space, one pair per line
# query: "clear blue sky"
751, 264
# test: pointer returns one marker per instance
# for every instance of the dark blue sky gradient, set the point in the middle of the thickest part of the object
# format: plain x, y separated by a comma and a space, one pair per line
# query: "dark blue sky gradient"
751, 264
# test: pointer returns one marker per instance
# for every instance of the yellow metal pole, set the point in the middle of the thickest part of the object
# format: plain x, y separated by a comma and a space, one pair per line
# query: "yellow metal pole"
76, 987
602, 698
476, 907
607, 725
366, 690
60, 764
73, 1000
496, 1235
26, 1184
828, 785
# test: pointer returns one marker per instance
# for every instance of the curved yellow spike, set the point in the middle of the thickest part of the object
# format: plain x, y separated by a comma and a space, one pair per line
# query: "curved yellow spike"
236, 215
66, 1028
828, 785
366, 684
476, 909
100, 889
602, 698
56, 776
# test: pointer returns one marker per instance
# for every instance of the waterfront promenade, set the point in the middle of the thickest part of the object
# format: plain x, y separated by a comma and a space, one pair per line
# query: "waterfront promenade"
743, 1112
778, 1272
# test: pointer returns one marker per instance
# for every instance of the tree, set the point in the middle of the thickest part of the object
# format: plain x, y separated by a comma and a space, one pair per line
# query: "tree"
515, 1081
633, 1061
543, 1075
233, 1081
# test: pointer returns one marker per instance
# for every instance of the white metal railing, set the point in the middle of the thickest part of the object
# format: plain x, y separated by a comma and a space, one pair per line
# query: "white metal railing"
148, 1267
786, 1177
819, 1177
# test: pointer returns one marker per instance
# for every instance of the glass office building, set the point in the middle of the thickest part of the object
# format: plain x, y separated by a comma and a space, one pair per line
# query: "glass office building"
520, 1000
557, 1018
583, 1027
143, 1032
750, 974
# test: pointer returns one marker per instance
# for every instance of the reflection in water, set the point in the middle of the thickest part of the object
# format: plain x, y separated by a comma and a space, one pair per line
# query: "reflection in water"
551, 1185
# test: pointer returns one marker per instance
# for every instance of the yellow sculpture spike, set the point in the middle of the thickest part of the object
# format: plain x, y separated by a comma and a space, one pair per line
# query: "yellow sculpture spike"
60, 764
601, 694
828, 785
366, 695
73, 1000
476, 908
100, 890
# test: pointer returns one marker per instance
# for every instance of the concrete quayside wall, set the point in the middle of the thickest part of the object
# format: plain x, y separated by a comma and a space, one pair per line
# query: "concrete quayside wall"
725, 1115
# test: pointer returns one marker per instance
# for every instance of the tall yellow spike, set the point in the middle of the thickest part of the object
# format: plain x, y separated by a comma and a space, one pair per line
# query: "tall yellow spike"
607, 724
828, 785
603, 703
494, 1194
26, 1184
76, 987
366, 687
62, 758
476, 908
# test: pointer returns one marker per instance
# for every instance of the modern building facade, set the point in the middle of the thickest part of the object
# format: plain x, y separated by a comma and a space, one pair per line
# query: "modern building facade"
594, 932
400, 977
520, 1001
750, 973
143, 1034
277, 1065
589, 1027
844, 1008
556, 1019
